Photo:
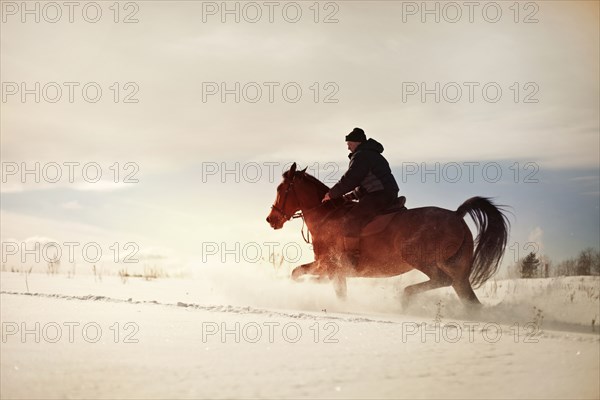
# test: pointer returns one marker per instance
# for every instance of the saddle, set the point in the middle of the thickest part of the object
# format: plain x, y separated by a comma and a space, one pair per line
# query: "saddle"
381, 221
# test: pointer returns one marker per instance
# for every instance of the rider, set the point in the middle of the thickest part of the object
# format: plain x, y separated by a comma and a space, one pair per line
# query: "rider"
369, 180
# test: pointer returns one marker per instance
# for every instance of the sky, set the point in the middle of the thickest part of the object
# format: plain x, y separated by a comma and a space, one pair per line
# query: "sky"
167, 125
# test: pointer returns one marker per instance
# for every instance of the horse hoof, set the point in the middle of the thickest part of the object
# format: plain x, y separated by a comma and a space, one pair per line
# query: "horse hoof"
341, 293
296, 273
341, 296
341, 289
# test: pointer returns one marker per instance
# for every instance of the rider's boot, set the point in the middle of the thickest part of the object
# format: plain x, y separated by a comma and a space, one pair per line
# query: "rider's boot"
351, 250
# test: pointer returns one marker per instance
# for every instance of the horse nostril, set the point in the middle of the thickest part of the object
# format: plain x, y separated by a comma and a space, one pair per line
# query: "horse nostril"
268, 220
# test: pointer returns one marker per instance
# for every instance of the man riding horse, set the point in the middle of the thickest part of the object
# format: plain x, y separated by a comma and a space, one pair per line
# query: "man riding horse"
369, 180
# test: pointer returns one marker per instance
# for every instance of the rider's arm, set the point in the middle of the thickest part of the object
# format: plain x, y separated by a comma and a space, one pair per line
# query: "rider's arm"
357, 170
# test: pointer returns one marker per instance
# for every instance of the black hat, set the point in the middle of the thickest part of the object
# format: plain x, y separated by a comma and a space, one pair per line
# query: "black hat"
357, 135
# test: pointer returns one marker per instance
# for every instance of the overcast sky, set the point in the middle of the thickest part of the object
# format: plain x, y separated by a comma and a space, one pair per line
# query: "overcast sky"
366, 67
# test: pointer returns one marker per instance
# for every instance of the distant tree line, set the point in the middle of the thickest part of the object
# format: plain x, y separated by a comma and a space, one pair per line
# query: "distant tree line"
586, 263
539, 266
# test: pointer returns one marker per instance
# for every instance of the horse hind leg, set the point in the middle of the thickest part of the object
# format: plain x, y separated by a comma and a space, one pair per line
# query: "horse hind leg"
465, 292
437, 279
459, 268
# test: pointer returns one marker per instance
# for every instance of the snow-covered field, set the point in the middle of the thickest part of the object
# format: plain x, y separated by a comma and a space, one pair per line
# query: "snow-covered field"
249, 333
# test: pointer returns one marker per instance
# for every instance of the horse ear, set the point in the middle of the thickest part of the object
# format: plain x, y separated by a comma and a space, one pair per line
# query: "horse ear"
292, 170
304, 170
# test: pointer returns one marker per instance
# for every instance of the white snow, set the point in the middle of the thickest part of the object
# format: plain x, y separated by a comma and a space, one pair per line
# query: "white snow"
246, 332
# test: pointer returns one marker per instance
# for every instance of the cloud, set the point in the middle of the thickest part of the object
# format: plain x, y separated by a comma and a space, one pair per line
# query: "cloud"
588, 178
172, 130
79, 185
72, 205
536, 237
590, 183
170, 65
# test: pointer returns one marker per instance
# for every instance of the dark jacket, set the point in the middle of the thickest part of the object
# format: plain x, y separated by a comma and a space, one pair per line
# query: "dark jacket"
368, 172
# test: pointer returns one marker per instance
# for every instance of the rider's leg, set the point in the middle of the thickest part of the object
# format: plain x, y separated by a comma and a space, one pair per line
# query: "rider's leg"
354, 220
368, 207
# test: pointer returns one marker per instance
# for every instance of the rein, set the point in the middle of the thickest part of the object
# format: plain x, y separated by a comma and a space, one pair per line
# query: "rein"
307, 237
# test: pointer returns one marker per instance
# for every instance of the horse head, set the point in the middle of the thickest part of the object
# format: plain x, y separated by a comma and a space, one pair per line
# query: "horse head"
286, 202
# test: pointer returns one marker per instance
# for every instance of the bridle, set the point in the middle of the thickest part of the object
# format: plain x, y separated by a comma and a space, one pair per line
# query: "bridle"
297, 214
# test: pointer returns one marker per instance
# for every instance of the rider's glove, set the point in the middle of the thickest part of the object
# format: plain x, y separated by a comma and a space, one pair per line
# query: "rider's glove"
349, 197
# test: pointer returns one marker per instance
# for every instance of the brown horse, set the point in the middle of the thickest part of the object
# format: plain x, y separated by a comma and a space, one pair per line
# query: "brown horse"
433, 240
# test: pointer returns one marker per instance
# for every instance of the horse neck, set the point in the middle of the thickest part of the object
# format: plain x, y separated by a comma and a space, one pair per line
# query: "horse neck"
310, 204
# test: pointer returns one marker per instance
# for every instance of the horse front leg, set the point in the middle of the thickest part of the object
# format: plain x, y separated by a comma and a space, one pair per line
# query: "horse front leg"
326, 270
337, 275
340, 286
304, 269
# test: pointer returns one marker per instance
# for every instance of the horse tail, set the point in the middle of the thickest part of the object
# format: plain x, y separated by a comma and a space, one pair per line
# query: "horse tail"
493, 227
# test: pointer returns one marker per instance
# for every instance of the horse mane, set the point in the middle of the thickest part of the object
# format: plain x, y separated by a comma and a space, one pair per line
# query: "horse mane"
317, 182
303, 174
